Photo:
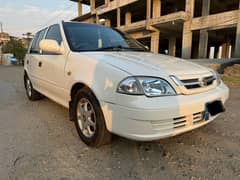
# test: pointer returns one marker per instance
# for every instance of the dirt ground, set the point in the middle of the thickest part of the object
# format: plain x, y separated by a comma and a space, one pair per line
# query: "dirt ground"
233, 70
37, 141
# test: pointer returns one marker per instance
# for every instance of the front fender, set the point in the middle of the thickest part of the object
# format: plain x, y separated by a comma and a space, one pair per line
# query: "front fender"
99, 76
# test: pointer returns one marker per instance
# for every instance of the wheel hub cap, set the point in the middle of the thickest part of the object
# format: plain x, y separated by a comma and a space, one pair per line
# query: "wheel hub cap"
86, 117
29, 88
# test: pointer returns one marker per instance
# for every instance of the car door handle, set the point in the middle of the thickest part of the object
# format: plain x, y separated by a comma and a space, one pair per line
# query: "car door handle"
40, 64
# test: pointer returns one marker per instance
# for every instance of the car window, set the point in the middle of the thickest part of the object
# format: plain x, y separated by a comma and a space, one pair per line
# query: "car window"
34, 42
54, 33
35, 45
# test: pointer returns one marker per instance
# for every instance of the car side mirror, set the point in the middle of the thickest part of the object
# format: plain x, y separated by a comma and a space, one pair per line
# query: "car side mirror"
50, 46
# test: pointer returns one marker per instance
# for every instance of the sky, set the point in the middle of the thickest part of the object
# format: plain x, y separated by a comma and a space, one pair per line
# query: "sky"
21, 16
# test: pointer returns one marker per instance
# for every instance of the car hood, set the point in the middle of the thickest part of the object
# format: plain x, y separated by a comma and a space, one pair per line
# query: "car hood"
148, 64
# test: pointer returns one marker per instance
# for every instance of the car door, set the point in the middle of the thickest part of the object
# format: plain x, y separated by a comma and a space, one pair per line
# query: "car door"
34, 59
53, 66
29, 58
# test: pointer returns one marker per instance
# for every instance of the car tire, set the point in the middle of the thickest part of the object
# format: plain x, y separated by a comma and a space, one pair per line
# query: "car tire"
89, 119
32, 94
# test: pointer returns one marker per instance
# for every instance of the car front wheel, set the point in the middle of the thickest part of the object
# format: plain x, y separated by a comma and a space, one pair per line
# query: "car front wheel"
89, 119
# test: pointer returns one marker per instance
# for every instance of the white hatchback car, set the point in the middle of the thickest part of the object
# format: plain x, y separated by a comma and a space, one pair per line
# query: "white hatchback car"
112, 84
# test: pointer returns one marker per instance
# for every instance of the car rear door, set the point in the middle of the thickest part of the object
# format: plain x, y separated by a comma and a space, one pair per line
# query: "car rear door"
29, 56
53, 66
34, 59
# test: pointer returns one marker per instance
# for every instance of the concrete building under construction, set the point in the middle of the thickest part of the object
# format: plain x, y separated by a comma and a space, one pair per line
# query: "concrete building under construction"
182, 28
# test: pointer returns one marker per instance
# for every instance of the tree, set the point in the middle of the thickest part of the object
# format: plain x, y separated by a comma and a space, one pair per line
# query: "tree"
15, 47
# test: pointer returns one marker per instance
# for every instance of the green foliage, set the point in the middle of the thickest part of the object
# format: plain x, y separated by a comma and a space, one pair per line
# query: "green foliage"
15, 47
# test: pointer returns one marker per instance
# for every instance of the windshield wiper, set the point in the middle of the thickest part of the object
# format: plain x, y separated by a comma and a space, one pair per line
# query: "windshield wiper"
119, 48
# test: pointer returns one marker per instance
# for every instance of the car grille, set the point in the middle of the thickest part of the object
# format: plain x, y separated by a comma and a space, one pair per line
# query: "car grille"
198, 117
198, 83
178, 123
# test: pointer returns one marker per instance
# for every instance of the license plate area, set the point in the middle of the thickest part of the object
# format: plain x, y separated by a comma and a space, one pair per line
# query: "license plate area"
215, 108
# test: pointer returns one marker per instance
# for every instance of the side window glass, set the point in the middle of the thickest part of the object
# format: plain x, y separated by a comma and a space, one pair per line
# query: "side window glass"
34, 42
54, 33
35, 47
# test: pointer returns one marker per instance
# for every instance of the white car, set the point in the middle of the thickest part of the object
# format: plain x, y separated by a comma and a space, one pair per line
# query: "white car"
112, 84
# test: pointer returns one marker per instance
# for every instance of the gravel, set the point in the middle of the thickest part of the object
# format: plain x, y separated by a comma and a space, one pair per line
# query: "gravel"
37, 141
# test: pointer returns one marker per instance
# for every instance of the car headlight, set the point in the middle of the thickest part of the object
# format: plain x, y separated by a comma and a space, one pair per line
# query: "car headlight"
130, 86
149, 86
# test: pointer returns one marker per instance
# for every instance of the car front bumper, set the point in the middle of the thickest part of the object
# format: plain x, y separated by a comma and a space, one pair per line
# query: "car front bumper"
146, 119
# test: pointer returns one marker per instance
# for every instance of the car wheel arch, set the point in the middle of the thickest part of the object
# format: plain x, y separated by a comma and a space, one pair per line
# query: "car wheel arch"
75, 88
79, 85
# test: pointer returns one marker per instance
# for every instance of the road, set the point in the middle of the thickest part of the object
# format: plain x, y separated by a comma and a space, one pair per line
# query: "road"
37, 141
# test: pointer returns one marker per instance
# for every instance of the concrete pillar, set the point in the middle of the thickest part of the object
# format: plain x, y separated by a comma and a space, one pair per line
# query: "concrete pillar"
224, 50
156, 8
118, 17
187, 33
80, 8
237, 41
92, 5
155, 42
203, 39
187, 41
212, 52
203, 44
190, 7
108, 22
229, 49
149, 4
97, 19
172, 46
205, 7
128, 18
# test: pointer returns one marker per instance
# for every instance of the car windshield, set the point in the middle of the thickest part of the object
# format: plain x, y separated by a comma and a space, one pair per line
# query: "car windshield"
91, 37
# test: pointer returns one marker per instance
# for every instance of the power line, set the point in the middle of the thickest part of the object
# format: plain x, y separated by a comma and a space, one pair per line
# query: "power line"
53, 18
60, 13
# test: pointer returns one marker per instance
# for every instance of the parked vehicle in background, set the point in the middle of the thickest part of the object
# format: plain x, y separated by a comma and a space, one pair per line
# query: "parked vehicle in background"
9, 59
13, 60
112, 84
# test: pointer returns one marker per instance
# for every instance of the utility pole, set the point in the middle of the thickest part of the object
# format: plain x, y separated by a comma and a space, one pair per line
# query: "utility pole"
1, 54
1, 27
